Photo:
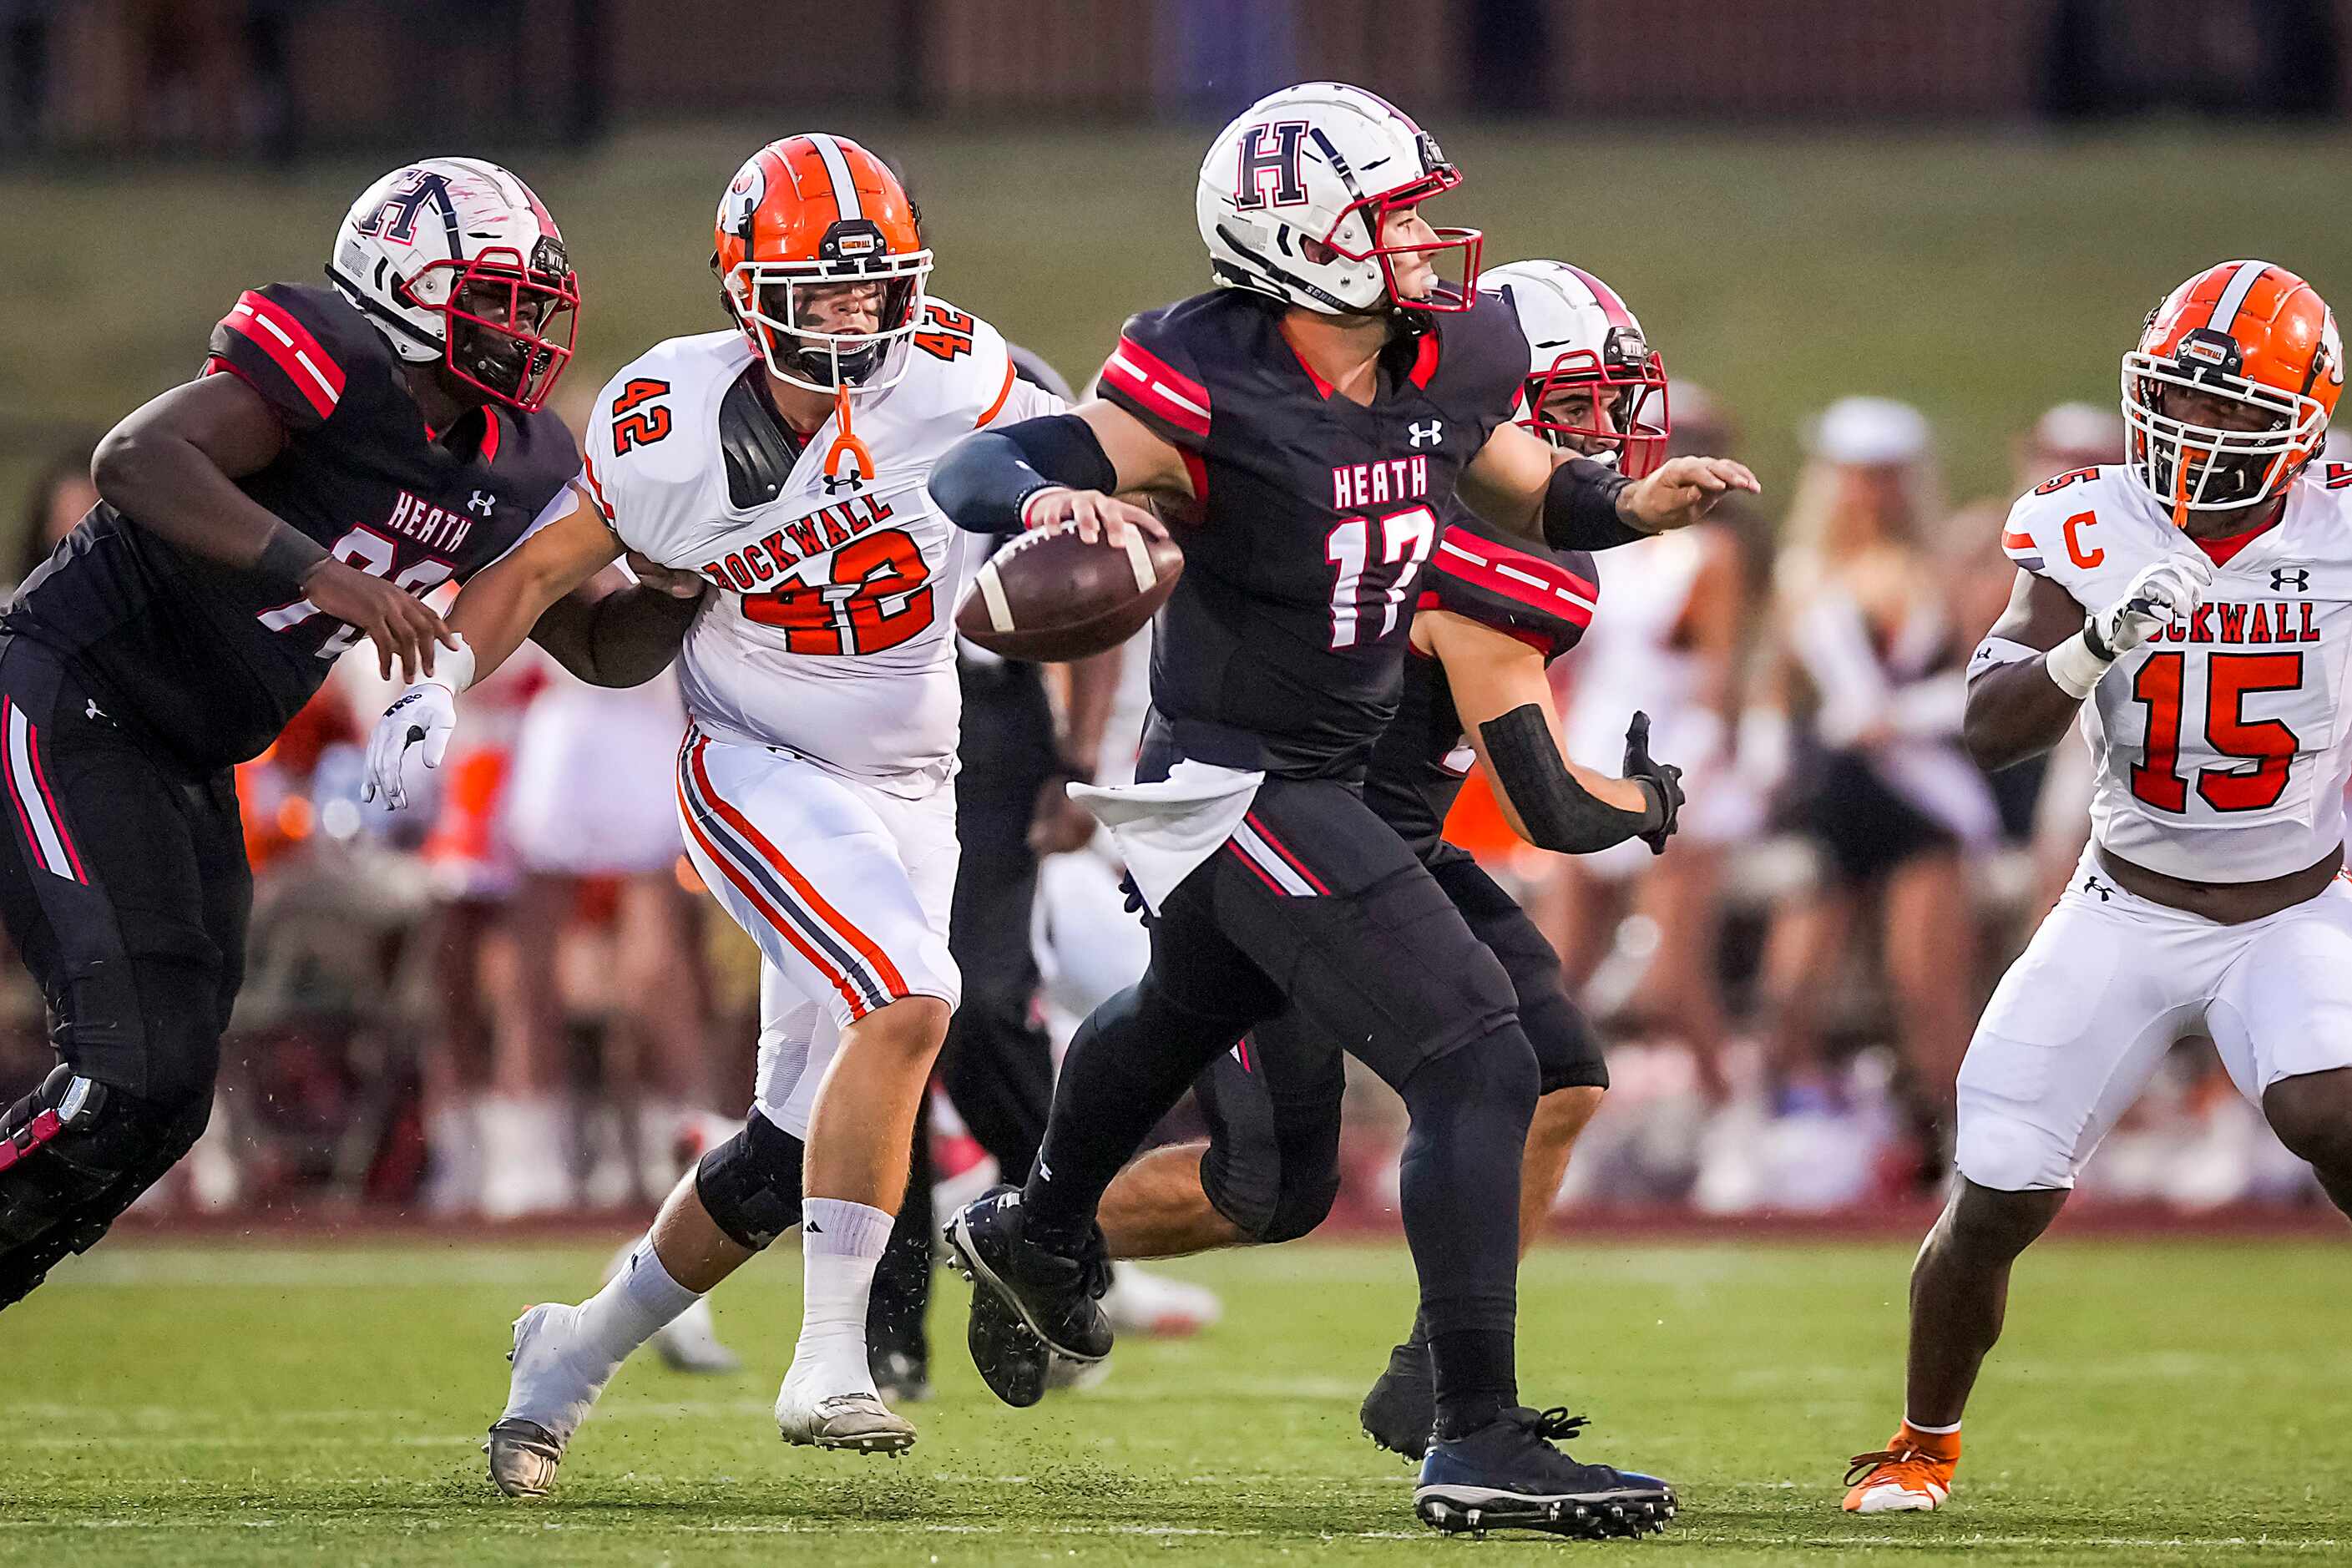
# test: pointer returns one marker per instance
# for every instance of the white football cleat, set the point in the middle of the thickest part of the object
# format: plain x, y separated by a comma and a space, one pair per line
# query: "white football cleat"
547, 1398
1142, 1303
848, 1417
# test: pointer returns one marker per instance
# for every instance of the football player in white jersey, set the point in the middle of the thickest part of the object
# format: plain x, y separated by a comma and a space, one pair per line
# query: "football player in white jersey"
2200, 596
784, 461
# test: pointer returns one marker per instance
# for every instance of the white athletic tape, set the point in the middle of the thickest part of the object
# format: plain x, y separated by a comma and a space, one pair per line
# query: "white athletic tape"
1139, 555
992, 594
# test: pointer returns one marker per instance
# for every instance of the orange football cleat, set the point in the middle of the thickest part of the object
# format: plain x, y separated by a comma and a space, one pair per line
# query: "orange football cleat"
1912, 1474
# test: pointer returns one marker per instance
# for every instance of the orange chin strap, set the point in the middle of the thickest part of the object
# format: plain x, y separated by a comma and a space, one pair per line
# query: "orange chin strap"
845, 443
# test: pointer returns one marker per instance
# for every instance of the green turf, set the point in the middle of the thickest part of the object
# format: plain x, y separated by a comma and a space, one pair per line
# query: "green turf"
2180, 1403
1984, 276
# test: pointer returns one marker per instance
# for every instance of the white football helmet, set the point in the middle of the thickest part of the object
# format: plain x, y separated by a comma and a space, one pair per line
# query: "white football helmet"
1580, 333
455, 259
1293, 194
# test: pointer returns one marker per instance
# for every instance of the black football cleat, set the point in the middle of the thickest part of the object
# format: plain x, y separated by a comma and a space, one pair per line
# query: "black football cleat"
1054, 1299
1402, 1405
1507, 1476
1012, 1361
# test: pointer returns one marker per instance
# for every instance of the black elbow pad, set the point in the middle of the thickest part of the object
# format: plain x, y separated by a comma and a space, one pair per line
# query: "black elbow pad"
1560, 815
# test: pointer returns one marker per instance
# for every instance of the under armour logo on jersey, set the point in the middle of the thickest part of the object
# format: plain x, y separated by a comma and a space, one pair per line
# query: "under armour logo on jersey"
848, 481
2282, 575
1427, 432
481, 501
2091, 884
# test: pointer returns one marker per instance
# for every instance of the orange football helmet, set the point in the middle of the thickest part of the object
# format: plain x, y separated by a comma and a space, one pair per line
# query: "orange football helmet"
2245, 332
810, 211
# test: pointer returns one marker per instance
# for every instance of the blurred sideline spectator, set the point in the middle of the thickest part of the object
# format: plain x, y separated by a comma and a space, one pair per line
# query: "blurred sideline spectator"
62, 493
1867, 665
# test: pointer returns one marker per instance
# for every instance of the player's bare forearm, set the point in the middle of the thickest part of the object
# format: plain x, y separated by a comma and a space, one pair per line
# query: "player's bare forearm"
497, 610
171, 467
1093, 689
2014, 710
612, 632
1498, 684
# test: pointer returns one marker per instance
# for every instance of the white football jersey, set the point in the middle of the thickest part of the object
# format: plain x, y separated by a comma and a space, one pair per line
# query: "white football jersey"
2221, 754
832, 632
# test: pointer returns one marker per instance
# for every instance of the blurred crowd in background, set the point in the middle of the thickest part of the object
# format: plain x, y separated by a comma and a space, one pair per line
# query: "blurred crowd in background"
518, 1000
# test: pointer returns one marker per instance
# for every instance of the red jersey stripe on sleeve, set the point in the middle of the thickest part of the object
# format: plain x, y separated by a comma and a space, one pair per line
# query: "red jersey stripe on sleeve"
2017, 541
289, 345
1514, 574
1159, 387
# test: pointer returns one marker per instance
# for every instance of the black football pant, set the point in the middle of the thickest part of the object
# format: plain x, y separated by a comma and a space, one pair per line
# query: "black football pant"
1316, 905
997, 1065
1273, 1102
124, 886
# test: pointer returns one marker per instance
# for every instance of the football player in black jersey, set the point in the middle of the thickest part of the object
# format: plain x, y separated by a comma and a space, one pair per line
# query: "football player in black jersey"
343, 450
1490, 617
1317, 412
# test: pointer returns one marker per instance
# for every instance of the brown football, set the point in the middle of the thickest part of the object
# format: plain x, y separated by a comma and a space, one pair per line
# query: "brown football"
1049, 594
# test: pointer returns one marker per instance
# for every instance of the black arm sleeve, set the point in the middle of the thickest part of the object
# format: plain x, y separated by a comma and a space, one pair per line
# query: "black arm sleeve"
1580, 510
1558, 813
982, 481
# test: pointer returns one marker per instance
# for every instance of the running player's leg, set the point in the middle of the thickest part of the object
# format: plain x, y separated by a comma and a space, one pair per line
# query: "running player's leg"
854, 913
1035, 1256
1267, 1172
1371, 950
997, 1065
1571, 1079
1373, 953
2070, 1038
2283, 1023
738, 1198
102, 888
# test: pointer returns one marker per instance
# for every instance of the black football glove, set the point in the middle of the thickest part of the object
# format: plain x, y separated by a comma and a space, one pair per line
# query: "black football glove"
1665, 781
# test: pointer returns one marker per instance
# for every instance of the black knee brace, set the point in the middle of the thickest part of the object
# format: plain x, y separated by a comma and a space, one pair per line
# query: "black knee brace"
750, 1184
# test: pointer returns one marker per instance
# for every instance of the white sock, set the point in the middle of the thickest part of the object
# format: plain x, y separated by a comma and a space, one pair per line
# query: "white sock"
631, 1308
1931, 1431
841, 1243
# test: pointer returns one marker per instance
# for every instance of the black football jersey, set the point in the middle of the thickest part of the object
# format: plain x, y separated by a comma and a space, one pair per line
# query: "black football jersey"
1282, 645
212, 661
1543, 597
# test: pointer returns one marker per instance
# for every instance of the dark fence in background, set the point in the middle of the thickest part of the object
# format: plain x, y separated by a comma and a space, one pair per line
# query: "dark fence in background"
278, 78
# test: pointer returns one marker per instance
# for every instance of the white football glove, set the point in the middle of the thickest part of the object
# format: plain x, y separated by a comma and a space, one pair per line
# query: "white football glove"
423, 716
2165, 589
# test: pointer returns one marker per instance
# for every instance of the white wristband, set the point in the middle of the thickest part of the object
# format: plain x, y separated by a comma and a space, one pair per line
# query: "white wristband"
452, 668
2074, 668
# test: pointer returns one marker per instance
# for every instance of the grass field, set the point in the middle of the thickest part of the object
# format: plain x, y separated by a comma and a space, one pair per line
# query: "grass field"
1984, 276
2175, 1403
